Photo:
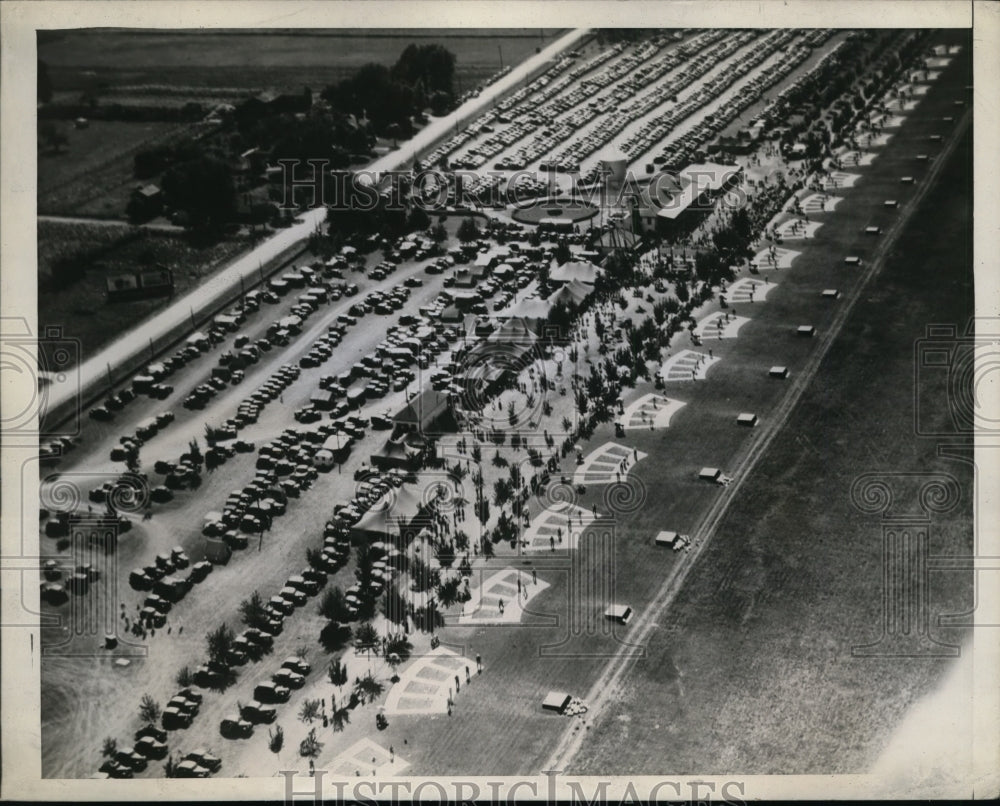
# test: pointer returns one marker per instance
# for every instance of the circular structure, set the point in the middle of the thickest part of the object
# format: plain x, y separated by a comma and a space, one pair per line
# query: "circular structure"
614, 166
554, 211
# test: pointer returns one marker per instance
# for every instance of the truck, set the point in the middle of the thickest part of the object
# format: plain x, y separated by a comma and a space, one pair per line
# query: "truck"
217, 551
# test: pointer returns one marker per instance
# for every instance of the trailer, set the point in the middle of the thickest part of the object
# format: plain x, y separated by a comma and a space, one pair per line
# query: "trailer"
672, 540
556, 701
622, 614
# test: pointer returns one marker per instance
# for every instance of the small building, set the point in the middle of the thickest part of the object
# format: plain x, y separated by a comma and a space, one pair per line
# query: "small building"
873, 230
424, 412
556, 701
852, 260
807, 331
619, 613
145, 202
747, 419
710, 474
672, 540
831, 293
890, 203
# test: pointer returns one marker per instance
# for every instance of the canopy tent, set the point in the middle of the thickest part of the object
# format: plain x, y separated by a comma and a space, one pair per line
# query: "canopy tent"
532, 309
581, 270
572, 293
401, 504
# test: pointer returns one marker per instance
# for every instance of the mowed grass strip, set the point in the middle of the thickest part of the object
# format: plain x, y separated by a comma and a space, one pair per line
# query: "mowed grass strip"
752, 671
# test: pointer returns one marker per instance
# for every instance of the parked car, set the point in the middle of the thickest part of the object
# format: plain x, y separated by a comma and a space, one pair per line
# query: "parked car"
205, 759
233, 727
190, 769
296, 664
150, 747
271, 692
288, 678
258, 713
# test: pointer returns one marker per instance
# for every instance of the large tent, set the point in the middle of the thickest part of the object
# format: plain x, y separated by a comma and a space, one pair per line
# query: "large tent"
572, 293
581, 270
399, 506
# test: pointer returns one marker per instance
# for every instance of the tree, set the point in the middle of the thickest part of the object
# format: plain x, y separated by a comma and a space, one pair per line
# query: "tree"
448, 592
310, 710
336, 672
400, 645
431, 67
366, 637
417, 219
502, 492
476, 454
149, 709
368, 687
184, 677
253, 612
333, 606
170, 766
310, 746
468, 230
203, 188
422, 575
562, 253
341, 717
110, 746
276, 739
220, 642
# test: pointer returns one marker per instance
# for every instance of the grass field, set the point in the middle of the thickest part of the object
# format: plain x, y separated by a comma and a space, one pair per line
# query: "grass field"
238, 59
82, 309
92, 175
753, 671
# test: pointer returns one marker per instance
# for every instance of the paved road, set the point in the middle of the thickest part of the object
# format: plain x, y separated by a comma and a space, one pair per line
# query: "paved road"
216, 291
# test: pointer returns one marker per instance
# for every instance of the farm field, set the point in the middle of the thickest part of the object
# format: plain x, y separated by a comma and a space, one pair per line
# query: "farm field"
81, 309
244, 62
93, 174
